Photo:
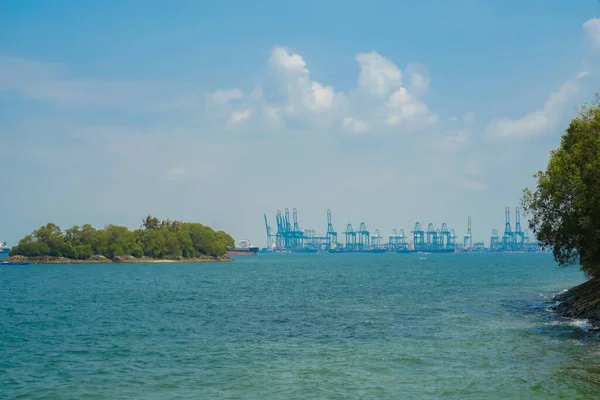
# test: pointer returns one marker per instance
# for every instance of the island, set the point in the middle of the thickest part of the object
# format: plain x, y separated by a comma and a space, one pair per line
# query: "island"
153, 241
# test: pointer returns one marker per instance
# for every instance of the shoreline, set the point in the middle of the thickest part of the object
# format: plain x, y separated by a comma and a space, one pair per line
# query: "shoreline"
581, 302
116, 260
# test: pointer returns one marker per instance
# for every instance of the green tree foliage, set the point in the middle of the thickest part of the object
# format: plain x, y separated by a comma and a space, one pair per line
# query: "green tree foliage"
564, 209
150, 223
154, 239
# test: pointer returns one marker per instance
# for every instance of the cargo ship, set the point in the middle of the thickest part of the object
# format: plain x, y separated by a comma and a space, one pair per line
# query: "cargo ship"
305, 250
244, 248
376, 250
451, 250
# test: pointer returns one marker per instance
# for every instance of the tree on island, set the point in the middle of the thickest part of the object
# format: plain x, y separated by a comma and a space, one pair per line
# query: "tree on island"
150, 222
154, 239
564, 208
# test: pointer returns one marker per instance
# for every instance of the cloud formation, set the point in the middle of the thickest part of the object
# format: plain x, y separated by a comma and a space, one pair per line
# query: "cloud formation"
381, 102
225, 96
239, 116
303, 93
355, 125
592, 29
378, 75
538, 122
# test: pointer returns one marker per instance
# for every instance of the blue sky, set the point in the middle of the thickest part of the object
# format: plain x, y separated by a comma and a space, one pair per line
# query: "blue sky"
387, 112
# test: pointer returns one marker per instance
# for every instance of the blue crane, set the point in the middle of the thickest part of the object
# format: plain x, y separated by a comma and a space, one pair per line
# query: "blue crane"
431, 236
444, 236
494, 240
280, 236
376, 239
331, 233
519, 235
394, 240
297, 236
363, 236
468, 238
418, 236
402, 240
507, 238
269, 234
350, 238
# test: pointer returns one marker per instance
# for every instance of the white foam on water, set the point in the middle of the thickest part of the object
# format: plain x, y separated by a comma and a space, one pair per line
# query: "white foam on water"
553, 295
582, 324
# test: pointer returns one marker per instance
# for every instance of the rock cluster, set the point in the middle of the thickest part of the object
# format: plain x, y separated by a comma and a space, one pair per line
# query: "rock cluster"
582, 302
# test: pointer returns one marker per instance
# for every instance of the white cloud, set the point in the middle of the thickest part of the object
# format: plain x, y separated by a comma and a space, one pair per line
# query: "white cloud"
419, 83
378, 75
221, 97
537, 122
404, 108
399, 98
592, 29
239, 116
319, 96
306, 99
289, 65
354, 125
272, 117
379, 102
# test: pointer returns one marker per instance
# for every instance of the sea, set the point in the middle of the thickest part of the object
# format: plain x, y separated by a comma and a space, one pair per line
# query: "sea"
296, 326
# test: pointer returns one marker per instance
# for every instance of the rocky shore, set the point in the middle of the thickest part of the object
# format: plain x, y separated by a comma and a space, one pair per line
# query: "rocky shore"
120, 259
582, 302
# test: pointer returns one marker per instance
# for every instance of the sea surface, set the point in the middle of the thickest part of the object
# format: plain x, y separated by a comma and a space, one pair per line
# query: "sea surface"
296, 326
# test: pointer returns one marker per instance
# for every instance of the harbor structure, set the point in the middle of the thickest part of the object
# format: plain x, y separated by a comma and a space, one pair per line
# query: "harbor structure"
288, 236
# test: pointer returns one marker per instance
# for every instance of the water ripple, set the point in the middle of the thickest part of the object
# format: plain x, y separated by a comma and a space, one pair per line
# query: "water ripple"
295, 327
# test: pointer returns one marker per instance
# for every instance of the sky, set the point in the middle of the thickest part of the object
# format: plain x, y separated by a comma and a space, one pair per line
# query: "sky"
387, 112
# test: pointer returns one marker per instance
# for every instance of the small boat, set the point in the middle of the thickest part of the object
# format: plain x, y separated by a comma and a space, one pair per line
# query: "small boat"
14, 263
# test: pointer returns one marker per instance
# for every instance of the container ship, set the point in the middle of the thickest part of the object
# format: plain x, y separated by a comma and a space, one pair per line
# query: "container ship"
450, 250
375, 250
305, 250
243, 248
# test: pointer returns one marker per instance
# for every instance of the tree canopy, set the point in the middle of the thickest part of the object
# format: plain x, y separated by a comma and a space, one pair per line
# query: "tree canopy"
154, 239
564, 208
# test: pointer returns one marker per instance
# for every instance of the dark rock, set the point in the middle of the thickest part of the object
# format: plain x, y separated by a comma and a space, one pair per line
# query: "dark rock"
582, 302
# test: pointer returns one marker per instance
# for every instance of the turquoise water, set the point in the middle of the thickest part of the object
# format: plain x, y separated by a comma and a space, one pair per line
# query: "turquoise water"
385, 326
